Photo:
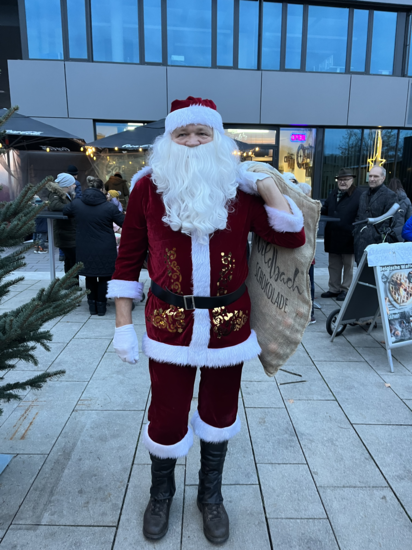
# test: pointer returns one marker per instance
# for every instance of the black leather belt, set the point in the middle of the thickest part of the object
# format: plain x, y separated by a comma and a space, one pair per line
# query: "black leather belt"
189, 302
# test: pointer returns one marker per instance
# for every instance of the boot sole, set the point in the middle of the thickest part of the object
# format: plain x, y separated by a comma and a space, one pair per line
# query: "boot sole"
149, 536
214, 540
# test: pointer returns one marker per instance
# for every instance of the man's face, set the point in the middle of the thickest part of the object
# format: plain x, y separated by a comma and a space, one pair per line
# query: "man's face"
376, 177
345, 183
193, 135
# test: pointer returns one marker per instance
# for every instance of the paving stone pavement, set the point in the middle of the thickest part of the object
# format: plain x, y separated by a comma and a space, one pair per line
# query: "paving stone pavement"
319, 465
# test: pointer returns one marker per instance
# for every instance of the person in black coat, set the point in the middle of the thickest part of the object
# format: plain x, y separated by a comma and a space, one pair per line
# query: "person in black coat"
342, 203
375, 202
95, 240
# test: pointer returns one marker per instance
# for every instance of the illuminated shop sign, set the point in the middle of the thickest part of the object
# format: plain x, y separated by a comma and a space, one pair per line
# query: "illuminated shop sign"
297, 137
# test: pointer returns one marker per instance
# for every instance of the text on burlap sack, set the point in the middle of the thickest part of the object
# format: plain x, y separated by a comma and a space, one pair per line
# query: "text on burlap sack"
270, 284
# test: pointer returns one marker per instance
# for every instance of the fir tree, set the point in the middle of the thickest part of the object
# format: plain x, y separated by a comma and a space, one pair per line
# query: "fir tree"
20, 329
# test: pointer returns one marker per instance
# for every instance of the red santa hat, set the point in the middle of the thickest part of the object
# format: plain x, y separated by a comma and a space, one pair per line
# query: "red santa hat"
193, 110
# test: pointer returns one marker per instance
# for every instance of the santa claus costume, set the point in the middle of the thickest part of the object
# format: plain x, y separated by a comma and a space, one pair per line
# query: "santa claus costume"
192, 210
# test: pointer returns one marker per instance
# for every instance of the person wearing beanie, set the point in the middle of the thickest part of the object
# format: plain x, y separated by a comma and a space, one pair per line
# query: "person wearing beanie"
192, 209
73, 171
117, 183
95, 240
113, 196
61, 193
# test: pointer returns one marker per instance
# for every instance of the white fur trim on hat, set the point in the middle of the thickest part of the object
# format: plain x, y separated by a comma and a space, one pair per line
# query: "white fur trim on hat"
209, 433
139, 175
181, 448
124, 289
194, 114
284, 221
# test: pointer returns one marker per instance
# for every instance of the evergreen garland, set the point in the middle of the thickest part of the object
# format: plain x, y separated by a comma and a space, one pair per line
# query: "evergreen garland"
20, 329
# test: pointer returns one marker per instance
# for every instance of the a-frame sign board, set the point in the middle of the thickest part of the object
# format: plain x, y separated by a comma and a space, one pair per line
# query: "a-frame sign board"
382, 286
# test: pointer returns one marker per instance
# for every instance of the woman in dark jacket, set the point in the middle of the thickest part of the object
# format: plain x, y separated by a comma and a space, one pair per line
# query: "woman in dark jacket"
342, 203
95, 240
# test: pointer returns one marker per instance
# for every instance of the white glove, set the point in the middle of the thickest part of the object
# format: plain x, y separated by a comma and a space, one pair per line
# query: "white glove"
126, 345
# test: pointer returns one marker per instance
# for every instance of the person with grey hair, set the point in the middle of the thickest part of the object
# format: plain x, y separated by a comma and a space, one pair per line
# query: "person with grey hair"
376, 201
61, 193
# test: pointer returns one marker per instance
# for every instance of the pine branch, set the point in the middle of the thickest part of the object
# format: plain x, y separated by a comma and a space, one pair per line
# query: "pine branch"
36, 383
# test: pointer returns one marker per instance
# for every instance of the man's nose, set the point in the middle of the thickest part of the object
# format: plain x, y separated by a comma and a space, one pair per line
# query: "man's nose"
193, 141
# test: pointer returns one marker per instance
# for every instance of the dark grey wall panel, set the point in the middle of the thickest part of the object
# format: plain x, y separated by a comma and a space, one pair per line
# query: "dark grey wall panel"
236, 93
378, 101
111, 91
38, 87
305, 98
80, 127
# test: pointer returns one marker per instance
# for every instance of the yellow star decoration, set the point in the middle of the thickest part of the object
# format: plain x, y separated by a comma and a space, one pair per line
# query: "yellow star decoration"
375, 161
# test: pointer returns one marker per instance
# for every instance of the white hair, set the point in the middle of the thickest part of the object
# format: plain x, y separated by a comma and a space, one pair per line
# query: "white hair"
196, 183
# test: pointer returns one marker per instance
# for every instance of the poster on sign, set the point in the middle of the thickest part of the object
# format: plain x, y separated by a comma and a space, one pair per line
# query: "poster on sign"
395, 289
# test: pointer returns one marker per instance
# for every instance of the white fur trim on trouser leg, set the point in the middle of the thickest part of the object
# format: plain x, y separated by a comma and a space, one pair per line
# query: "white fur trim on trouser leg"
124, 289
181, 448
284, 221
210, 433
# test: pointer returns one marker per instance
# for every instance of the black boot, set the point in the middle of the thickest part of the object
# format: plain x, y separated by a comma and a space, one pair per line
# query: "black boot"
101, 308
209, 496
156, 516
92, 307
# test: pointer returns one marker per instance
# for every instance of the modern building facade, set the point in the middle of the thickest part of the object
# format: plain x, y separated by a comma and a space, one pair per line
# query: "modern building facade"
312, 87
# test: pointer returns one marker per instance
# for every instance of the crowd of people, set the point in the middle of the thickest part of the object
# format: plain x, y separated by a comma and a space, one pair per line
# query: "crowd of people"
91, 231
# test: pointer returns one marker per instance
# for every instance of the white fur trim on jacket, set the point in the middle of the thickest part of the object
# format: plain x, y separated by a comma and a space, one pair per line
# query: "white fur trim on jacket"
201, 287
206, 357
210, 433
139, 175
168, 451
284, 221
194, 114
247, 180
124, 289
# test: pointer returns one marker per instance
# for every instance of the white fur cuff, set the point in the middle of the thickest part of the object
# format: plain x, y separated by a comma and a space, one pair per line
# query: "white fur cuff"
284, 221
210, 433
181, 448
247, 180
124, 289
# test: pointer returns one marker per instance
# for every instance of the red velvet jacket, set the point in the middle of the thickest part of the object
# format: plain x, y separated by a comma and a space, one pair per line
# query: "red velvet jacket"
215, 338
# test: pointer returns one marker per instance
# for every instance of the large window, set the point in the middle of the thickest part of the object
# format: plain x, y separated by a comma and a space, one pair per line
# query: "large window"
76, 21
383, 42
294, 36
44, 29
115, 31
225, 33
271, 33
404, 160
152, 31
327, 39
243, 34
342, 149
296, 152
189, 32
104, 129
257, 144
378, 147
359, 40
248, 33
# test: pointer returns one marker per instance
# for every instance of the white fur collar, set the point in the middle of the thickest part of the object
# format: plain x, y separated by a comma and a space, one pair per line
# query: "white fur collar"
139, 175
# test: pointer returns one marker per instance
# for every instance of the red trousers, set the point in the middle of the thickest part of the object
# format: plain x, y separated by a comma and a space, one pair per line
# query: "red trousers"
172, 392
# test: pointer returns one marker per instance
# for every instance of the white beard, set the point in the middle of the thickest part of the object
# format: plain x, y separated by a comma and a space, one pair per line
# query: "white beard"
196, 183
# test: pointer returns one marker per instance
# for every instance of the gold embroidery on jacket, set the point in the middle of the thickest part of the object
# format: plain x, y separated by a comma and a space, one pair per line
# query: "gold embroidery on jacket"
172, 319
225, 276
224, 322
173, 270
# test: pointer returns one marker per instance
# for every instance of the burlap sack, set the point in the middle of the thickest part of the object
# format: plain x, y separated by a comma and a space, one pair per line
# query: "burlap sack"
279, 285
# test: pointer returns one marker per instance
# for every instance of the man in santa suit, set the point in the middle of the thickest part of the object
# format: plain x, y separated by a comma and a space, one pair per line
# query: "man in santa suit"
192, 210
